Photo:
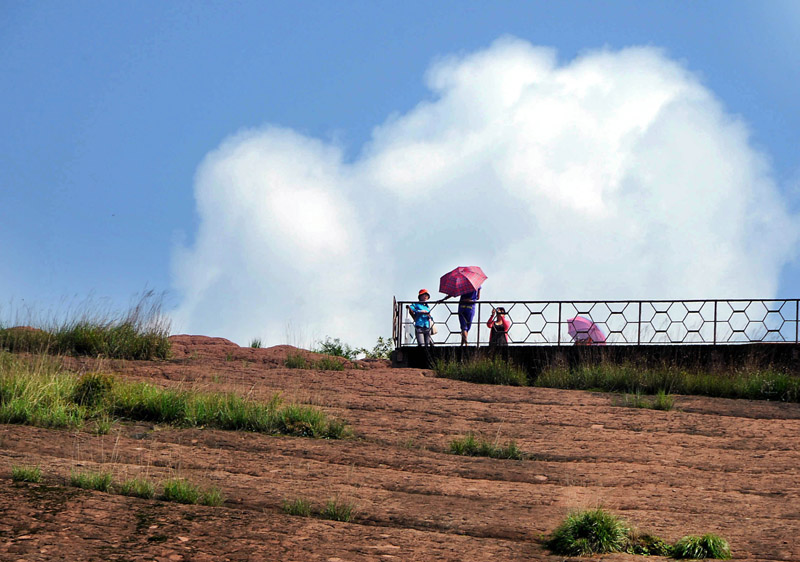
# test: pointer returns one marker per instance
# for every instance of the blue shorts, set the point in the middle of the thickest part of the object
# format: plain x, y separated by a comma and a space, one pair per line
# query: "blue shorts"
465, 315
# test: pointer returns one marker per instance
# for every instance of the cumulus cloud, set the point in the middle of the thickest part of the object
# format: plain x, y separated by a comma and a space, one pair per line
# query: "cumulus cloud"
617, 175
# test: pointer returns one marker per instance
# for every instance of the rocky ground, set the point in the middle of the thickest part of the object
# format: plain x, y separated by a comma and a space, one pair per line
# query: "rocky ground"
725, 466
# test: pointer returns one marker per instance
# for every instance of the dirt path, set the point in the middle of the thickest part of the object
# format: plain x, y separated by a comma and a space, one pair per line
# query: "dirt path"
723, 466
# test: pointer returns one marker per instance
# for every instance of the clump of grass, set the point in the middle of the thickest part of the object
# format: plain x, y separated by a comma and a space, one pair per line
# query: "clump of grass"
92, 389
255, 343
661, 401
26, 474
752, 384
103, 424
337, 510
212, 496
139, 488
298, 507
700, 547
100, 481
328, 364
181, 490
645, 544
585, 533
470, 445
296, 361
483, 370
140, 333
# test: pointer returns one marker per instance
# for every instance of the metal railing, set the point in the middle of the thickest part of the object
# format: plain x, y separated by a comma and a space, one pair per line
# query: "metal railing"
622, 322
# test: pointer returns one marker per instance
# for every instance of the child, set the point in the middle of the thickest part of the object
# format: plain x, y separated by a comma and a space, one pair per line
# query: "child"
421, 313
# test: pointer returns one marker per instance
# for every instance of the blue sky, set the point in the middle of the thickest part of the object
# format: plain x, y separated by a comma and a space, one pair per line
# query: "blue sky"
108, 110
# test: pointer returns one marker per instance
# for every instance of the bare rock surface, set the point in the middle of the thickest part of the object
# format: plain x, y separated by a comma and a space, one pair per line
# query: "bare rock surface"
730, 467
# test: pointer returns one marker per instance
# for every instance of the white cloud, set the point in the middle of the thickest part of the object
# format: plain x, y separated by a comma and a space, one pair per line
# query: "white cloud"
617, 175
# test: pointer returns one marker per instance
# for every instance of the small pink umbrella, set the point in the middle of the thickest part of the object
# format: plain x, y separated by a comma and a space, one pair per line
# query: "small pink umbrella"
582, 329
461, 280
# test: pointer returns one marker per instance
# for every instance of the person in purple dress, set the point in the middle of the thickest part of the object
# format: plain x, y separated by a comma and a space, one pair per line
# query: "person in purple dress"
466, 312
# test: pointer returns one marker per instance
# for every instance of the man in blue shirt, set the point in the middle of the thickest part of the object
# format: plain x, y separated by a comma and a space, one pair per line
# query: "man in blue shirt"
421, 313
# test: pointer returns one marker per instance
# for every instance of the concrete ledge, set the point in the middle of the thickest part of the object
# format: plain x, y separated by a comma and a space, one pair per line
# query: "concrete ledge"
783, 356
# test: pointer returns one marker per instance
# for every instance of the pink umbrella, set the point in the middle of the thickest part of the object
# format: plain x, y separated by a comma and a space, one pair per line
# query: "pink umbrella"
583, 330
461, 280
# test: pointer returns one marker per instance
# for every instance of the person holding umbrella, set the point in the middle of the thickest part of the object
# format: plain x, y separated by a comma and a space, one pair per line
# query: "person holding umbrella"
466, 283
421, 313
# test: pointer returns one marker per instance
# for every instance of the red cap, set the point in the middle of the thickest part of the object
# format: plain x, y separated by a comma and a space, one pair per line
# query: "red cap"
424, 292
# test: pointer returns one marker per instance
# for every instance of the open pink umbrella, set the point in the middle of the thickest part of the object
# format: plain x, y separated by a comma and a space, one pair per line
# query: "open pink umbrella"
461, 280
582, 329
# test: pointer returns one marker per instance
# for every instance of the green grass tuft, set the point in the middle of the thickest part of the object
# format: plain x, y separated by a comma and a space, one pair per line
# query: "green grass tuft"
139, 488
296, 361
255, 343
212, 496
100, 481
706, 546
337, 510
585, 533
181, 490
26, 474
328, 364
482, 370
475, 447
645, 544
92, 389
298, 507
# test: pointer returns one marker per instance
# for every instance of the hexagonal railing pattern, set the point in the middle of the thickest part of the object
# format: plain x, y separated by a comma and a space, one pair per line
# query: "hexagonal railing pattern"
621, 322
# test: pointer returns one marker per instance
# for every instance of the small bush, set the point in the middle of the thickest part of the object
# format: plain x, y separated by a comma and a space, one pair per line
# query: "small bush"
297, 507
26, 473
139, 488
482, 370
296, 361
382, 350
336, 510
181, 491
92, 389
589, 532
647, 545
255, 343
707, 546
471, 446
100, 481
336, 348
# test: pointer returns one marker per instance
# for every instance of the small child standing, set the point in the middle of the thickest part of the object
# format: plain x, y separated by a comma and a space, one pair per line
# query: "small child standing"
421, 313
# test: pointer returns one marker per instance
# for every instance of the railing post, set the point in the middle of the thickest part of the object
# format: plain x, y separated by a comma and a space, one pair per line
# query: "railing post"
715, 322
479, 323
639, 326
796, 320
394, 321
559, 324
